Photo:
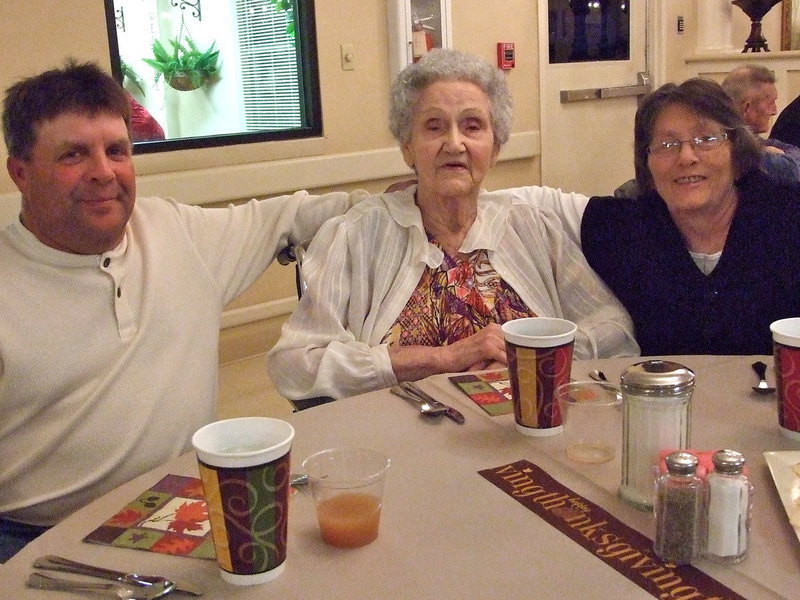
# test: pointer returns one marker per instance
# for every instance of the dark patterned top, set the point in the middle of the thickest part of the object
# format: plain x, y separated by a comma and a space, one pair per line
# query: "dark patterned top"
454, 301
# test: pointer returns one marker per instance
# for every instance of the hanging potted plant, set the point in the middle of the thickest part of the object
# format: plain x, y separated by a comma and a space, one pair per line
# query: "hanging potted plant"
185, 67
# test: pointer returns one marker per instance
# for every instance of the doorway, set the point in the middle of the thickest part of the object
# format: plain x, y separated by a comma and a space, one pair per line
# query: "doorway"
589, 91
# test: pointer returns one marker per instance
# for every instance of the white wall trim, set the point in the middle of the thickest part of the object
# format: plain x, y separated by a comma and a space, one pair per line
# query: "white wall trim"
228, 183
257, 312
275, 177
224, 184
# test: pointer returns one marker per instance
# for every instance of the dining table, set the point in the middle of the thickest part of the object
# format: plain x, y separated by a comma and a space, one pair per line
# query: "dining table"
446, 531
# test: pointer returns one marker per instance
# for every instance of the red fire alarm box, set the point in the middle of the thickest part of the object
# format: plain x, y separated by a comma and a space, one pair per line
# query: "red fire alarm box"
505, 55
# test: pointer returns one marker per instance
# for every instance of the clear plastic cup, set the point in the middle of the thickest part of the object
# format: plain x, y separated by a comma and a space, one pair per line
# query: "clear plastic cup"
347, 486
591, 413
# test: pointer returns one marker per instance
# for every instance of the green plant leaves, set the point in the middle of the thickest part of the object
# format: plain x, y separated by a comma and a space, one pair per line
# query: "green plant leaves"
184, 59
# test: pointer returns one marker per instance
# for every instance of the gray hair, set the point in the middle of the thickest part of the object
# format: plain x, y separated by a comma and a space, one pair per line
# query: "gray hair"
742, 80
449, 65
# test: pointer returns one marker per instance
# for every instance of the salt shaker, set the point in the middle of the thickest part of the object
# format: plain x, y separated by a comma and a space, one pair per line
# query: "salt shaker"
728, 506
656, 417
679, 510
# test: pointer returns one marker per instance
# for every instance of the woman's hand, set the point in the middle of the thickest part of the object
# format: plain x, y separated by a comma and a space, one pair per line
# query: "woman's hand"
487, 365
479, 351
485, 349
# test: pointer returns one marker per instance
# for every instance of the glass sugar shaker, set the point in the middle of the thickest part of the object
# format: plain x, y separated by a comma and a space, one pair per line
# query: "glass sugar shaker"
656, 417
679, 510
728, 505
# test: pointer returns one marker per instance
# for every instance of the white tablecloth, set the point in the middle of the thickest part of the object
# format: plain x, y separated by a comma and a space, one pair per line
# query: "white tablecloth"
448, 533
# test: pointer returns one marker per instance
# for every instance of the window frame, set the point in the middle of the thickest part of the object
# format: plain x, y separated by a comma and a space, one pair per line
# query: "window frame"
305, 34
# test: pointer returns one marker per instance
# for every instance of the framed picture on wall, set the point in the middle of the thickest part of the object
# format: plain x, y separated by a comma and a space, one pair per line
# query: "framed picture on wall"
790, 25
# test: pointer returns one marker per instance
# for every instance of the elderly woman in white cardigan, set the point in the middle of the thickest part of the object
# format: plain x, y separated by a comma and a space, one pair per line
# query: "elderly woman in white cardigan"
417, 282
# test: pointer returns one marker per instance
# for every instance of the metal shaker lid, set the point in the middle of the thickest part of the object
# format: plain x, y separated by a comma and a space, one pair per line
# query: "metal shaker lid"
657, 378
728, 461
681, 463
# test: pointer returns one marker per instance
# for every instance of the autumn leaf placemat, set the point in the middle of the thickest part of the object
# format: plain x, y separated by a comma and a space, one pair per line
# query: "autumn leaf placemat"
169, 518
491, 390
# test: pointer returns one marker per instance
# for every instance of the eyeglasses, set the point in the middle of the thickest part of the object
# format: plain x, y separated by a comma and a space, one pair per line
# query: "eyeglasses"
703, 143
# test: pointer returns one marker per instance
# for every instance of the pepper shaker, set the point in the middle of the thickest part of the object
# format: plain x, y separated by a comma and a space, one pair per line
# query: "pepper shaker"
656, 417
679, 510
728, 506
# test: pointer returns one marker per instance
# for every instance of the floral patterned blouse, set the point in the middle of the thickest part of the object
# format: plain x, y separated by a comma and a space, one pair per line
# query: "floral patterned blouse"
455, 300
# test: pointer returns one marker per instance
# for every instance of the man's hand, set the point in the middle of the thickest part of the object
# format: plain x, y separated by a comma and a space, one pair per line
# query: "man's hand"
773, 150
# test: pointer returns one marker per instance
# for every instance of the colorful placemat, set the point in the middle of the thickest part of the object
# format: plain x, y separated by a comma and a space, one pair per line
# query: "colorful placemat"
169, 518
619, 546
491, 391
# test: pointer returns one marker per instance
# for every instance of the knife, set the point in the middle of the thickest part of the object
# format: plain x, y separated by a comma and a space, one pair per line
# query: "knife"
65, 565
449, 411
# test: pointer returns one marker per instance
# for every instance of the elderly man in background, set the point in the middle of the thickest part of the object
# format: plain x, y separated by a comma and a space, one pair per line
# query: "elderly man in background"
753, 91
110, 304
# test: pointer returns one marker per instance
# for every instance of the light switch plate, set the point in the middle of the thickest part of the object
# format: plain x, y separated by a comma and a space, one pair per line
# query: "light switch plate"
348, 57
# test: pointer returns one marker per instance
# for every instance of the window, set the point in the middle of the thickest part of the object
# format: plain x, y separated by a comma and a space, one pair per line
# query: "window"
269, 67
588, 30
255, 75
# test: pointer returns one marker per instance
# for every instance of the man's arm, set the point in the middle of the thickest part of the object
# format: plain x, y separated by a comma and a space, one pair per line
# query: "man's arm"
315, 210
238, 242
780, 166
568, 207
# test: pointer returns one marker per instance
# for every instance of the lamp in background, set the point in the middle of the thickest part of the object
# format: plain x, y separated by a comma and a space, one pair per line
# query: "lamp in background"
755, 9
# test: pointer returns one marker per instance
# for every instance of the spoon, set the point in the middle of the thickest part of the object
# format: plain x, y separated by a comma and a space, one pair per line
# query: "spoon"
118, 589
598, 375
761, 370
424, 407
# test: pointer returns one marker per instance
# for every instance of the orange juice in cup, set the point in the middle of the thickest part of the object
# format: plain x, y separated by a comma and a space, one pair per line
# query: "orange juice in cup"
349, 520
347, 485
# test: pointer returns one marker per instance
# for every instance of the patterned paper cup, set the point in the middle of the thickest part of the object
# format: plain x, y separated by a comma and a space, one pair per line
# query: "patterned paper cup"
539, 351
244, 466
786, 348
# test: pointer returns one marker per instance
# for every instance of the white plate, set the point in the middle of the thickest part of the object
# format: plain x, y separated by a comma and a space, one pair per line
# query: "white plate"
787, 482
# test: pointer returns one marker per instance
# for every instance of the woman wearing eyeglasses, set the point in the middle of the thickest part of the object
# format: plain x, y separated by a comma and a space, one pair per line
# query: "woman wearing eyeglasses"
709, 254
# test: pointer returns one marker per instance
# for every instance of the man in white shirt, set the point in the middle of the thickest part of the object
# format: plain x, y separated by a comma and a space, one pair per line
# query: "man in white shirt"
110, 304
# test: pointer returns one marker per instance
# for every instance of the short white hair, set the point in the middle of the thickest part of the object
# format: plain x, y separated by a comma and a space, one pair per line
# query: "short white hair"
449, 65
